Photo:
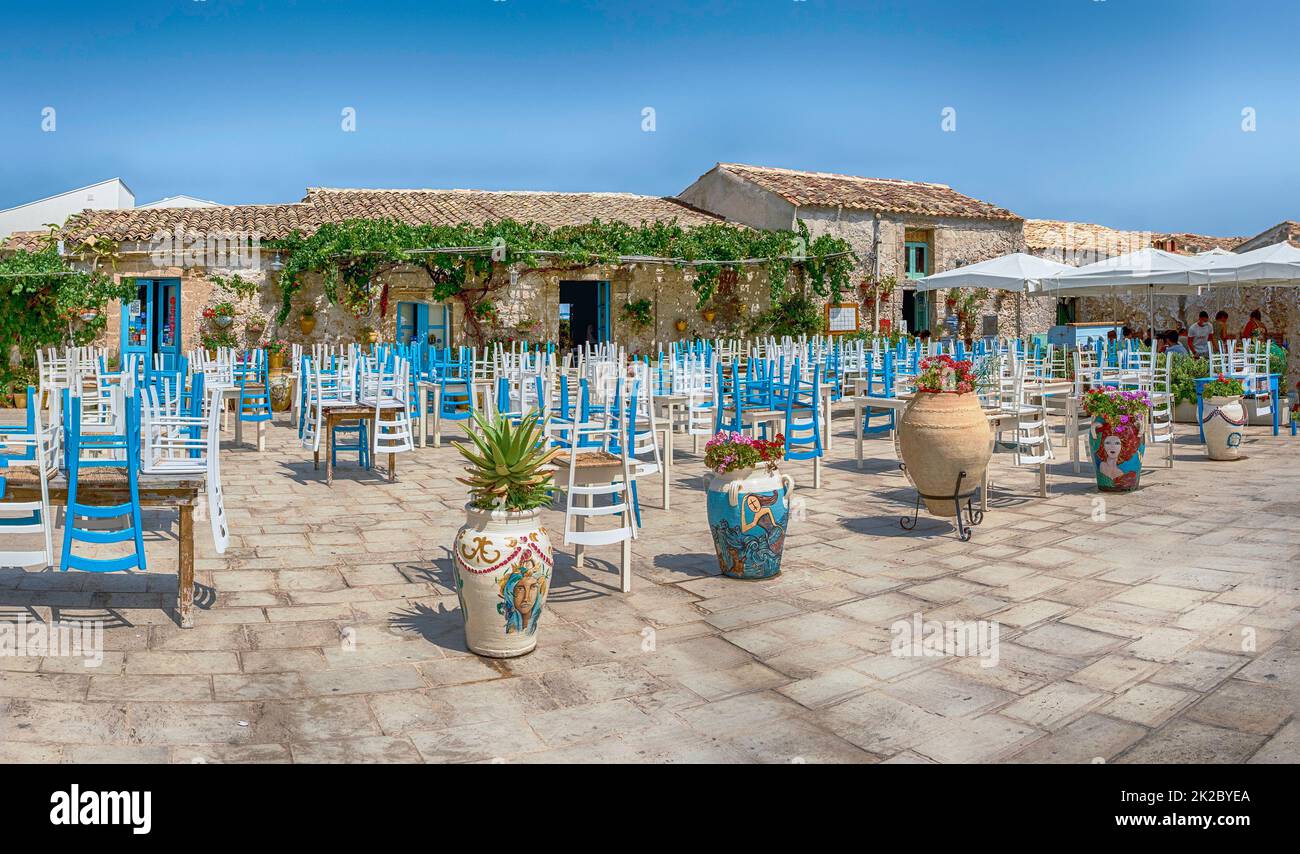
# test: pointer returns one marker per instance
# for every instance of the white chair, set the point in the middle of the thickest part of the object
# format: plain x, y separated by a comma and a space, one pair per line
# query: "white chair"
592, 474
216, 498
171, 443
38, 449
393, 433
1161, 394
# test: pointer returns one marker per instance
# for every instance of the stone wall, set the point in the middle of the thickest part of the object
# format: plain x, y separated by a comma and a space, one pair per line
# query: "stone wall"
880, 240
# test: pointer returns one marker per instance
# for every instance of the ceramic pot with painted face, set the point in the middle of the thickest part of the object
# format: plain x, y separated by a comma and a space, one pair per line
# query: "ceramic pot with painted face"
1224, 421
501, 565
1116, 451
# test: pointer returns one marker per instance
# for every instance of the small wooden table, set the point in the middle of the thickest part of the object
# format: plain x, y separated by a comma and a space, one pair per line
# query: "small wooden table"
337, 414
108, 486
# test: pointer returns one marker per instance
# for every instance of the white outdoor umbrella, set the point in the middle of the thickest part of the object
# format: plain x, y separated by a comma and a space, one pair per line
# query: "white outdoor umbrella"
1267, 266
1150, 271
1014, 272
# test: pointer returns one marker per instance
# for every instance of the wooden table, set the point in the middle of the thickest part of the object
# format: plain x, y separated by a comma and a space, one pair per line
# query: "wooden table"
337, 414
108, 486
425, 389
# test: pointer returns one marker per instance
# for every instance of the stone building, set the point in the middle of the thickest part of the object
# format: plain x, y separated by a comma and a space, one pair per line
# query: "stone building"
183, 260
898, 229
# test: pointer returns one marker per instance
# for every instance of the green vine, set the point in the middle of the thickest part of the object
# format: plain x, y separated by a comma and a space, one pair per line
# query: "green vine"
42, 300
352, 257
640, 314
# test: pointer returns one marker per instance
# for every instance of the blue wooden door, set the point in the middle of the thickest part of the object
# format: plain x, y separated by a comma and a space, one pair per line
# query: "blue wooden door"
137, 322
602, 311
167, 329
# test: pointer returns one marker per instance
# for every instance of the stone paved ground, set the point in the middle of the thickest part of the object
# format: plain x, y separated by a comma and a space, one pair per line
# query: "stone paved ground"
1165, 633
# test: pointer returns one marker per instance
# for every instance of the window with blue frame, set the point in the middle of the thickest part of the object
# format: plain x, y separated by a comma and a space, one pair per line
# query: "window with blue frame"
420, 321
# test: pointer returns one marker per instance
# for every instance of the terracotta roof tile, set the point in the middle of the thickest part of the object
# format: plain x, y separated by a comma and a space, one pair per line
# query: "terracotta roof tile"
452, 207
825, 189
1085, 237
416, 207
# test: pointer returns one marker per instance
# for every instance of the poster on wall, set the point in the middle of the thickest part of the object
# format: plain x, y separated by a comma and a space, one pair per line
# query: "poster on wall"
842, 318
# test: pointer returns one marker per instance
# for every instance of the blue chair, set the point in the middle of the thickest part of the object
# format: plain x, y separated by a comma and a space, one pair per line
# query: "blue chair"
351, 436
803, 435
255, 389
120, 450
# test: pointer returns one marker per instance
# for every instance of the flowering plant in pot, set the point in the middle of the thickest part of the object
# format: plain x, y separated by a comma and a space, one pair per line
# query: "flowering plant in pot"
221, 314
1223, 418
943, 436
748, 503
501, 557
1117, 438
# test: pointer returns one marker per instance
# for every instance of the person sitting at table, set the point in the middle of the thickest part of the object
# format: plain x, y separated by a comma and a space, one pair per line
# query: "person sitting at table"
1254, 326
1172, 345
1199, 335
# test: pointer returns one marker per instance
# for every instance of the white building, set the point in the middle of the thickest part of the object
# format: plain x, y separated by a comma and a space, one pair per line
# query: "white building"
181, 202
112, 194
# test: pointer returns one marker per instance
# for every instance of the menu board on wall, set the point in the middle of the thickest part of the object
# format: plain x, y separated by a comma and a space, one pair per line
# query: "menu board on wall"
842, 318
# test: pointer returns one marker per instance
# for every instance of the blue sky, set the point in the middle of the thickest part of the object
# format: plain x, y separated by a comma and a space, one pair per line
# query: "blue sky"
1123, 112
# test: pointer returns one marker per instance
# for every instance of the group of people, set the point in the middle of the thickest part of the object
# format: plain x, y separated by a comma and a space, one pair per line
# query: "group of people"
1197, 339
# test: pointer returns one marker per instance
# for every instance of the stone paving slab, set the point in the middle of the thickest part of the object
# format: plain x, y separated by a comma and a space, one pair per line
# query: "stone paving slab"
1166, 630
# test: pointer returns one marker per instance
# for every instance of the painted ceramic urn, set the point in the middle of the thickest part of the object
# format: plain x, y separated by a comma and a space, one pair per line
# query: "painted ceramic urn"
1116, 451
749, 513
941, 435
1224, 421
501, 564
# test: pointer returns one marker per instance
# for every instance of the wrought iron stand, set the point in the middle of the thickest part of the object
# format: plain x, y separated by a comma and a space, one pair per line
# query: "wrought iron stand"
973, 515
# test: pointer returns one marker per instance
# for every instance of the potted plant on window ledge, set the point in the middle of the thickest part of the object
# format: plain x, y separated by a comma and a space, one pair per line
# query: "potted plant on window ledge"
501, 557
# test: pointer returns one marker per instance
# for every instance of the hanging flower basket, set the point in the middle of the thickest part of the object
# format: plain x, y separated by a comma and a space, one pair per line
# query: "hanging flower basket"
88, 315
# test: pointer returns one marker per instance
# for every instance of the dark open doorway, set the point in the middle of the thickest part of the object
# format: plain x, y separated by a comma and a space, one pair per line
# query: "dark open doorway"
584, 313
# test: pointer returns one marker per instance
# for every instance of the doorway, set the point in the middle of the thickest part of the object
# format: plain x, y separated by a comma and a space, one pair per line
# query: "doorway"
422, 322
916, 310
151, 323
584, 313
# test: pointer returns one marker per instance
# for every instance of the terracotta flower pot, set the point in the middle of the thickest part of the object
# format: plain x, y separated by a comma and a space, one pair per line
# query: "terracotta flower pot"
1117, 454
306, 325
748, 515
1224, 421
681, 326
276, 361
501, 562
709, 315
940, 436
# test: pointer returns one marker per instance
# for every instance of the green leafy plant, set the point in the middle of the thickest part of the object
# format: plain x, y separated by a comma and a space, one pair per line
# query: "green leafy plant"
42, 299
794, 315
639, 314
1183, 374
307, 311
352, 256
242, 288
507, 464
216, 337
1222, 386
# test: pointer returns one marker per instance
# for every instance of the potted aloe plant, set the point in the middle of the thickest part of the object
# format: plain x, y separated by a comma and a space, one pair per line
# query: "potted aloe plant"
748, 503
501, 557
1117, 439
1223, 418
